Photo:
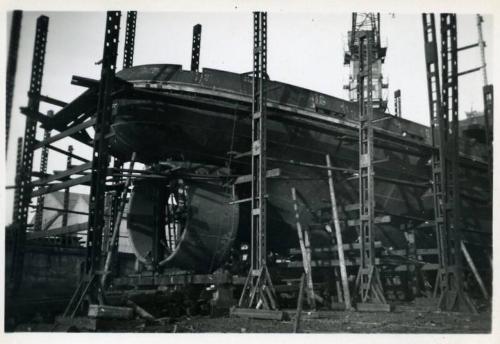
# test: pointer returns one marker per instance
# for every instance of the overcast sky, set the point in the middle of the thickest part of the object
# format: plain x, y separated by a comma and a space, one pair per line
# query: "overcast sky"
303, 49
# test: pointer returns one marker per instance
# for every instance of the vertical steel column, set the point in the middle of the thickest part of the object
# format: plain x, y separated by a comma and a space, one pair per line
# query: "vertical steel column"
454, 297
15, 33
43, 169
482, 45
24, 186
19, 159
115, 208
488, 122
259, 143
195, 51
368, 278
397, 103
488, 111
128, 49
100, 158
449, 108
66, 191
439, 133
258, 286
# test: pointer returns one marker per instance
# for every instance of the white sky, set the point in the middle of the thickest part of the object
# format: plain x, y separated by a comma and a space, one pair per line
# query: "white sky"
304, 49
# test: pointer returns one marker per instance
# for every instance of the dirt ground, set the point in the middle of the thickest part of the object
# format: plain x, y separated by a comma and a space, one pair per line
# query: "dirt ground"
349, 322
402, 319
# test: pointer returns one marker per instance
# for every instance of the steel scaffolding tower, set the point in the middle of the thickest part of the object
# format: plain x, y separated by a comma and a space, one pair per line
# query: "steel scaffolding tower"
443, 107
15, 33
25, 186
368, 281
258, 287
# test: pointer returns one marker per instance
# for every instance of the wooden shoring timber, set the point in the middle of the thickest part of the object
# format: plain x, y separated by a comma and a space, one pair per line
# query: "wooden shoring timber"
334, 248
71, 229
306, 252
300, 301
117, 223
63, 174
70, 132
338, 235
473, 268
59, 186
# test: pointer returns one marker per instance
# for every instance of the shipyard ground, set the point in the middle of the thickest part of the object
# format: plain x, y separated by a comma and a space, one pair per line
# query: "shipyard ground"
403, 319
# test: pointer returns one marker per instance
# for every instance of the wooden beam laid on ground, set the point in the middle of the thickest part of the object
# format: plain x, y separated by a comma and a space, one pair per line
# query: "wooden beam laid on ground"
326, 314
373, 307
338, 235
140, 311
253, 313
472, 266
79, 227
110, 312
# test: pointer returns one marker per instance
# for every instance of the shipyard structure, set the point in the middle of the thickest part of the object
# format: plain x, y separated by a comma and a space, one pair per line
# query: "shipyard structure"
253, 197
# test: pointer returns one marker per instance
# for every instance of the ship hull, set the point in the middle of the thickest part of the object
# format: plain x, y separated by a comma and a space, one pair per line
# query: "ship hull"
159, 130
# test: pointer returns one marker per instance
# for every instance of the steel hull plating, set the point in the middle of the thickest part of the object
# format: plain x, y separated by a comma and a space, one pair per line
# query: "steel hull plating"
159, 129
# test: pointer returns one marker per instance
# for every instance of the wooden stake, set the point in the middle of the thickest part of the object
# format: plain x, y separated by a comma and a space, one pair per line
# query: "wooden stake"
300, 300
306, 252
474, 270
338, 234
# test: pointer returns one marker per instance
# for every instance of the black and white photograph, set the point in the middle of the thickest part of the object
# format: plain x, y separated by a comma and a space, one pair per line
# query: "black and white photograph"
249, 170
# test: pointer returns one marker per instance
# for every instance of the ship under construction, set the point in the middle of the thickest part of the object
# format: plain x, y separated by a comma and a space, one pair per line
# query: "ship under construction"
268, 194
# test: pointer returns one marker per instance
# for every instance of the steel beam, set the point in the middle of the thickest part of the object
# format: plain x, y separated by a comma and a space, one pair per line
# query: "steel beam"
439, 130
19, 159
67, 153
43, 169
24, 186
397, 103
66, 191
101, 155
195, 51
259, 143
15, 33
482, 45
128, 49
